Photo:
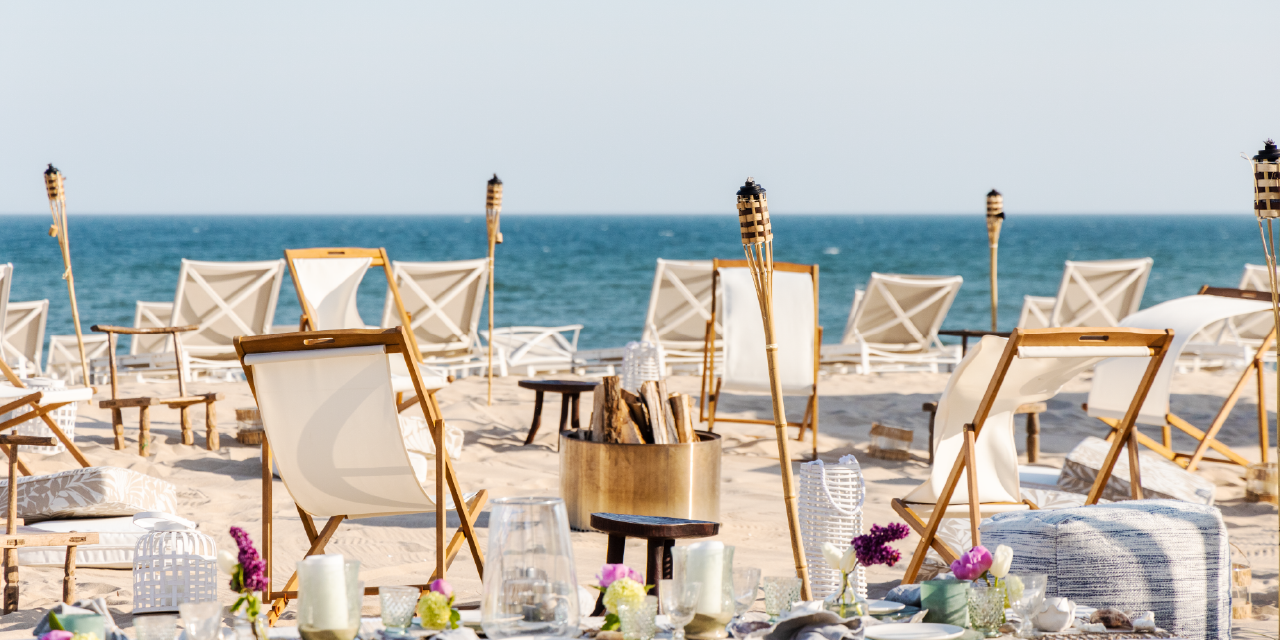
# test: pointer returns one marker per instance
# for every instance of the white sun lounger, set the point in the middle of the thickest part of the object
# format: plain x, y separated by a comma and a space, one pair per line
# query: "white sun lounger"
1232, 342
538, 349
443, 300
63, 360
23, 338
679, 310
1095, 293
893, 325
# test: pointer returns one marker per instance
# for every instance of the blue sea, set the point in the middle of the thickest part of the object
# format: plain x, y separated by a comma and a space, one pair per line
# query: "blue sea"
597, 270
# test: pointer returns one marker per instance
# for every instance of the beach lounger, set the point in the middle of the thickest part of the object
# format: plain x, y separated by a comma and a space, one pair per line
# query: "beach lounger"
537, 349
1232, 341
149, 315
680, 312
443, 301
1095, 293
6, 282
1113, 381
63, 360
893, 325
23, 338
974, 434
330, 414
745, 370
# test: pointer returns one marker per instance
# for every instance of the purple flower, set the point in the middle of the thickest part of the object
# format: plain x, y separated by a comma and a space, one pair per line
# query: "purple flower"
251, 564
972, 563
441, 587
611, 573
57, 634
873, 548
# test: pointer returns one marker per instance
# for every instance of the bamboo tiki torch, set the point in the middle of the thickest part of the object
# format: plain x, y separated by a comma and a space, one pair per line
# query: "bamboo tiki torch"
58, 206
757, 243
1266, 206
492, 209
995, 218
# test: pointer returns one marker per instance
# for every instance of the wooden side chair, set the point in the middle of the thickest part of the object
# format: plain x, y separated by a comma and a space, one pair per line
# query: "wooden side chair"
330, 415
182, 402
1037, 363
660, 533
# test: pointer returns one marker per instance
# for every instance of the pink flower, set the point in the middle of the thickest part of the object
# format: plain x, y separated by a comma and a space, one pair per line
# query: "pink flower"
57, 634
611, 573
441, 587
972, 564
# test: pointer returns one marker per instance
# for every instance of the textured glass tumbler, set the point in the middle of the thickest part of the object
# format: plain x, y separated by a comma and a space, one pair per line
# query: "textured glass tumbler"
530, 587
156, 627
639, 622
986, 608
780, 592
398, 604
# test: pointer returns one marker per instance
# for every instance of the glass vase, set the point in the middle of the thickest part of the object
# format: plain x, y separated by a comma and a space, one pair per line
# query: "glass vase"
530, 586
986, 608
639, 622
330, 595
247, 630
846, 603
710, 564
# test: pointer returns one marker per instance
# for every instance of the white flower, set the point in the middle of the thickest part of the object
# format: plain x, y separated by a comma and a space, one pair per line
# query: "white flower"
227, 562
845, 561
1001, 561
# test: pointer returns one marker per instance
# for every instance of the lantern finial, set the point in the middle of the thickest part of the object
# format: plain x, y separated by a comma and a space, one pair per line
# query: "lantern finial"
753, 214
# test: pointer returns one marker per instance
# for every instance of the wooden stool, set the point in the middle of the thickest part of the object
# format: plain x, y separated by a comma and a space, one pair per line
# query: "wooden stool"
569, 391
661, 533
1031, 409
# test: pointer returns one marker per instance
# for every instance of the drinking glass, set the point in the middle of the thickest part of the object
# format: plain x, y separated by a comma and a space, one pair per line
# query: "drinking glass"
679, 600
1028, 601
746, 582
639, 622
201, 619
530, 586
156, 627
330, 595
398, 604
986, 608
710, 563
780, 592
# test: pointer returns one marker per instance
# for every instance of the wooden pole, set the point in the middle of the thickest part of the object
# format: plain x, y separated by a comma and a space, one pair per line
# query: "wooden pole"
492, 210
757, 243
995, 218
58, 207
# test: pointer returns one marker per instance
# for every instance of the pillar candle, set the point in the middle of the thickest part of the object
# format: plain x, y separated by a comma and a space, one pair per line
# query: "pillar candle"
322, 589
706, 565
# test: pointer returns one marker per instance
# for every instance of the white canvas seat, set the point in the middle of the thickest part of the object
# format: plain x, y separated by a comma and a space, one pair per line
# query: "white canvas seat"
537, 349
1096, 293
443, 300
23, 337
63, 360
893, 325
679, 310
332, 427
796, 330
20, 405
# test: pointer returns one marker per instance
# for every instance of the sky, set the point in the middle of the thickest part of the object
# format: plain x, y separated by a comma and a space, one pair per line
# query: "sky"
642, 107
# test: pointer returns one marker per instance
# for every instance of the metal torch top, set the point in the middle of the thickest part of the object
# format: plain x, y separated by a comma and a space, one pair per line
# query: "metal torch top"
1266, 181
493, 195
1269, 152
753, 214
995, 204
53, 182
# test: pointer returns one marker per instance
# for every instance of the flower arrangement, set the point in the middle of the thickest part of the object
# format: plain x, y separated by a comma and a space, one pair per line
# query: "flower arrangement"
248, 578
621, 585
866, 550
979, 563
62, 634
435, 607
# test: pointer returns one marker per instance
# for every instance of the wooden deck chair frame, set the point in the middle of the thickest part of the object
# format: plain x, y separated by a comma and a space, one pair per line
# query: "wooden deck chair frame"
1207, 439
6, 282
34, 316
37, 408
395, 340
709, 398
1156, 341
465, 339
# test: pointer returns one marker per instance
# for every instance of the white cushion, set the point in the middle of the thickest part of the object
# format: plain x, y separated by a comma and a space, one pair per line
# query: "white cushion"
117, 539
88, 492
74, 394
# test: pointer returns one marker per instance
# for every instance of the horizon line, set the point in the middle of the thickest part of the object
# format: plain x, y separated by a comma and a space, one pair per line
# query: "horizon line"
646, 214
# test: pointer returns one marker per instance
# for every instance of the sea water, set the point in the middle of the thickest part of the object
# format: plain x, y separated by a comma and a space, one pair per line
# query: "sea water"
597, 270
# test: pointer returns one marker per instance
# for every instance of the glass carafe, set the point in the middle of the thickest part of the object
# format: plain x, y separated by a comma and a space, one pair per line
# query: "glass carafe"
530, 588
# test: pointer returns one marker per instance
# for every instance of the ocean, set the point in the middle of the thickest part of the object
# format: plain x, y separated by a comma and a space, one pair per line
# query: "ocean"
597, 270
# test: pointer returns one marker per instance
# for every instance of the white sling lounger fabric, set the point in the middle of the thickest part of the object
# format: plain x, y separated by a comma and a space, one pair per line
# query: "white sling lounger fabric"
746, 369
1115, 381
894, 324
444, 300
22, 342
330, 417
1028, 380
1095, 293
330, 286
679, 308
225, 300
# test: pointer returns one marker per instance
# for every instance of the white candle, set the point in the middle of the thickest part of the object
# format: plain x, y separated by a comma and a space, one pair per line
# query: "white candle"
322, 587
706, 565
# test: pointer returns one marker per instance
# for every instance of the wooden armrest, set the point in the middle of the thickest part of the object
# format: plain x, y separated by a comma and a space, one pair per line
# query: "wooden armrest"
107, 328
36, 441
121, 403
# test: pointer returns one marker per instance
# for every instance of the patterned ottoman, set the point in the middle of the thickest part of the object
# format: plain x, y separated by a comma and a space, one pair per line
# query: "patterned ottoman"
1160, 477
1166, 556
91, 492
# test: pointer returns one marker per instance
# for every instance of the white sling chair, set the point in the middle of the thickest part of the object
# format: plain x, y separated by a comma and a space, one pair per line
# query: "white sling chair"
1036, 364
23, 339
1232, 340
332, 427
745, 371
679, 310
1115, 380
893, 325
443, 301
1095, 293
63, 361
538, 349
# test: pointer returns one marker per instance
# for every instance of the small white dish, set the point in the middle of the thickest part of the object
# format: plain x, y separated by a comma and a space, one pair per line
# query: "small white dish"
914, 631
884, 607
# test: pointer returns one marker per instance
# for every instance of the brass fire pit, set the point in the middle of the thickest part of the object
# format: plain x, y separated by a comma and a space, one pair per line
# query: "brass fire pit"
669, 480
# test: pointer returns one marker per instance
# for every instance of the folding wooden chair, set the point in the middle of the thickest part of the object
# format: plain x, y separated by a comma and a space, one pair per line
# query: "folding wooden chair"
1095, 293
39, 404
799, 337
1187, 316
1036, 362
330, 415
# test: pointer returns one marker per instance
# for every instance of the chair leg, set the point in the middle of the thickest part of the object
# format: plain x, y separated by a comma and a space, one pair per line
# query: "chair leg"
813, 426
469, 514
144, 430
69, 576
711, 407
10, 580
117, 427
564, 412
921, 528
188, 438
211, 440
613, 555
656, 562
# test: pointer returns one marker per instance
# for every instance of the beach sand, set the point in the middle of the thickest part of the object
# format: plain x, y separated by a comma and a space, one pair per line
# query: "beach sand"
223, 488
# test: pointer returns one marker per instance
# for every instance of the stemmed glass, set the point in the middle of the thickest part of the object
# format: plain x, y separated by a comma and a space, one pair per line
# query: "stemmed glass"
1033, 586
746, 582
679, 599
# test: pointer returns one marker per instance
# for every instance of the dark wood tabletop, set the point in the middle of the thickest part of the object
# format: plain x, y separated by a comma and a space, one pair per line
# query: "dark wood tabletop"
652, 526
558, 386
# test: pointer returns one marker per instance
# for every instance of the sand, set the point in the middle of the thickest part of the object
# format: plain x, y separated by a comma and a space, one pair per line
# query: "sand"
222, 488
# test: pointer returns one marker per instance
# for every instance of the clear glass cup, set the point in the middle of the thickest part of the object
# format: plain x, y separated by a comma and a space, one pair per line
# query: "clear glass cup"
398, 605
162, 626
986, 608
746, 584
1025, 592
330, 595
530, 587
679, 600
202, 620
639, 622
780, 592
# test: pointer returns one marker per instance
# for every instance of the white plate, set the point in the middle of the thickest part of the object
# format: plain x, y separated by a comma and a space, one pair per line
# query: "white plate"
914, 631
883, 607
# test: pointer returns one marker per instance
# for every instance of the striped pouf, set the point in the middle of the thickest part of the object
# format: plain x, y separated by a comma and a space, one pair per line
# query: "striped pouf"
1166, 556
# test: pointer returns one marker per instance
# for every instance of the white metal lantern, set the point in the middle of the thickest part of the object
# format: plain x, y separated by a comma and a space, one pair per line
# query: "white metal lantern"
641, 361
172, 564
831, 498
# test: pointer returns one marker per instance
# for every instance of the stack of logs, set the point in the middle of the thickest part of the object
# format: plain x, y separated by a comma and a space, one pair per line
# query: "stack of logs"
651, 417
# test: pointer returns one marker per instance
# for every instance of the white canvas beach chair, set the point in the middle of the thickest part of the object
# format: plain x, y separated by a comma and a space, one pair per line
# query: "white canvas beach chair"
332, 427
1095, 293
745, 370
538, 349
1187, 316
63, 361
23, 338
974, 433
443, 301
679, 315
893, 325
